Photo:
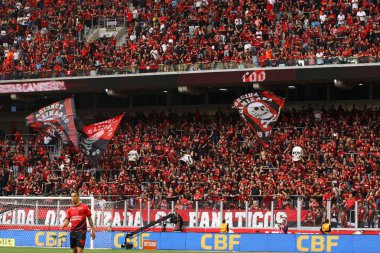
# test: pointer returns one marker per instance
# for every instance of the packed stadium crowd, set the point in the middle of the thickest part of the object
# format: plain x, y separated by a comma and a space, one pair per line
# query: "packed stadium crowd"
340, 162
45, 38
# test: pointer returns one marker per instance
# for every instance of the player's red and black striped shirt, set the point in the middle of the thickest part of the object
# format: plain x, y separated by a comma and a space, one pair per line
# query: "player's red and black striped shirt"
77, 215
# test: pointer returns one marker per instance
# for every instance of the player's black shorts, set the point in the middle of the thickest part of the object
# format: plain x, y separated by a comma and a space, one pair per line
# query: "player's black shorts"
77, 239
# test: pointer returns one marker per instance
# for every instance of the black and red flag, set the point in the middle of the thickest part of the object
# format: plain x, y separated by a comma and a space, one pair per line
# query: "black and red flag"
57, 119
94, 138
53, 129
261, 111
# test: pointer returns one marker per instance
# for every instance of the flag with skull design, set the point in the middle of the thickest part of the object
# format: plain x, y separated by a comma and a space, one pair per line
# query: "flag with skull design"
261, 111
94, 138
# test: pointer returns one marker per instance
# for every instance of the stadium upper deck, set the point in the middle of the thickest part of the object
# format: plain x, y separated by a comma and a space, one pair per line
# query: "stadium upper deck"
45, 38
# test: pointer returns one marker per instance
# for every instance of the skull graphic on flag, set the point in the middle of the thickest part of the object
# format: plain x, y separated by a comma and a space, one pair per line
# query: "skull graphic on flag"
260, 111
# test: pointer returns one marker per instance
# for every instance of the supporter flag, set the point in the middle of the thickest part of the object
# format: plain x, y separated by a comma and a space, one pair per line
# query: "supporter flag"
133, 156
187, 159
57, 119
318, 115
94, 138
261, 111
52, 129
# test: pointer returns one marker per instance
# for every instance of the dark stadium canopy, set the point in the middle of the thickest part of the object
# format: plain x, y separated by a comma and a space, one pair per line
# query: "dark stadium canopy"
275, 77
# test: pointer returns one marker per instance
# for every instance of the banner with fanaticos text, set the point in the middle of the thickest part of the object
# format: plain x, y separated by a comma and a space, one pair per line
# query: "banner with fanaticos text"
114, 218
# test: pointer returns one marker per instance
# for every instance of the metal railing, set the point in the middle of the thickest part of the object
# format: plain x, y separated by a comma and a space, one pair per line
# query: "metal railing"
98, 70
209, 214
108, 22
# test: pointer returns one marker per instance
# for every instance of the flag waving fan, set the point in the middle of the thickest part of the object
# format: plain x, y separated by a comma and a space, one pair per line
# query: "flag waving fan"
94, 138
56, 119
133, 156
52, 129
261, 111
187, 159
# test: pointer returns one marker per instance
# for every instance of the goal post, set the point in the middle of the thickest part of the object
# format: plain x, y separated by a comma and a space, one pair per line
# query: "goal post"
35, 221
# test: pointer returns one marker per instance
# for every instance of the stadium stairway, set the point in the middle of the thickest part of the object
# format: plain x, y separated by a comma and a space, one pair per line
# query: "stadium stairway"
121, 40
120, 35
93, 35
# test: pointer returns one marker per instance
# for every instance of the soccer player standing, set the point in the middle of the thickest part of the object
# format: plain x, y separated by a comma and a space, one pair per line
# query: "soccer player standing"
77, 214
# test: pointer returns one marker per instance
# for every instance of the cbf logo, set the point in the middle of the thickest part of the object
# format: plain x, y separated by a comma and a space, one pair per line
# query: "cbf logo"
220, 242
317, 243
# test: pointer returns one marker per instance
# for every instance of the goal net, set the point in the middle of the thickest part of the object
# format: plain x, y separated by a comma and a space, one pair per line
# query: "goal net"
35, 221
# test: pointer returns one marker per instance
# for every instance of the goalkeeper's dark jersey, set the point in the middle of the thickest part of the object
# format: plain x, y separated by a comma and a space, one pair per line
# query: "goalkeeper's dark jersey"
77, 215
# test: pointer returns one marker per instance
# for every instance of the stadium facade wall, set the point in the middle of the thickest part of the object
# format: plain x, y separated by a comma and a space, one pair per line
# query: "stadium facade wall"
204, 241
216, 78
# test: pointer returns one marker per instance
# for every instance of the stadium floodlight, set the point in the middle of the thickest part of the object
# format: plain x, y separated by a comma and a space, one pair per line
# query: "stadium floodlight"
114, 93
342, 85
25, 98
190, 90
257, 86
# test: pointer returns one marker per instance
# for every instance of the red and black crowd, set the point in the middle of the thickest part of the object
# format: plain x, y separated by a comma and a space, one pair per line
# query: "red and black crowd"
52, 38
341, 162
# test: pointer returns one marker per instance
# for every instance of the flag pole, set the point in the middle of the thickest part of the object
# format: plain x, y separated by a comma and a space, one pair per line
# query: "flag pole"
260, 110
264, 149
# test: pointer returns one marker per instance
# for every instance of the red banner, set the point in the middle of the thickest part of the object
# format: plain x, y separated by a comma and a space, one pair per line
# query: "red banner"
94, 138
115, 217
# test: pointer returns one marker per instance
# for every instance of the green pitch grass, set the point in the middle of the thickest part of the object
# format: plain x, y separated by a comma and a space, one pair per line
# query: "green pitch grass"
55, 250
